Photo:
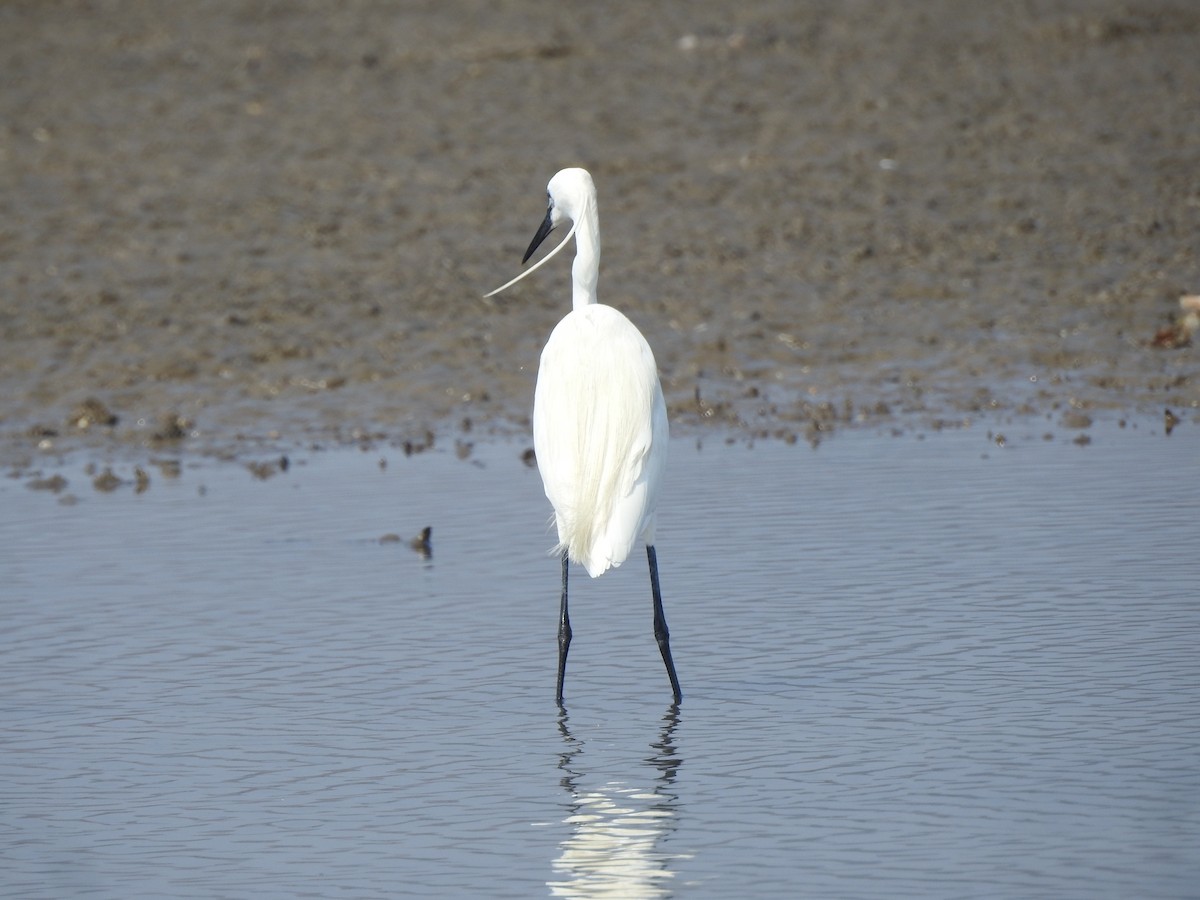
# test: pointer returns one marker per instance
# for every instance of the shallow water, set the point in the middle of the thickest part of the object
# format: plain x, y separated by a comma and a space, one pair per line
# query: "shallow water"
911, 667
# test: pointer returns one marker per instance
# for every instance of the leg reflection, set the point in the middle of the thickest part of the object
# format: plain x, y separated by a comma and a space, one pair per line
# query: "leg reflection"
618, 827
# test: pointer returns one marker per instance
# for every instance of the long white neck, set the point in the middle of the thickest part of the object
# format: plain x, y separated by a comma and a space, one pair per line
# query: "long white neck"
585, 271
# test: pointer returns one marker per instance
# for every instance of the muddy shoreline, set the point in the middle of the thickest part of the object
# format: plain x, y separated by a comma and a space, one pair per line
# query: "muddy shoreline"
236, 227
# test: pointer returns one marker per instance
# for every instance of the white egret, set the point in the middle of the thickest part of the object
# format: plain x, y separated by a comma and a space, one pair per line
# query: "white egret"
599, 419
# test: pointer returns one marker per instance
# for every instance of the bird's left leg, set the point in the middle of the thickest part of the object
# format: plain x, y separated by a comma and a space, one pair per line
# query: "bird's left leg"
564, 631
660, 622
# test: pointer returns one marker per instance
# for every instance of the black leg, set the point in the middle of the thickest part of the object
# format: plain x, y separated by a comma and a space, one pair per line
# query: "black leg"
660, 621
564, 632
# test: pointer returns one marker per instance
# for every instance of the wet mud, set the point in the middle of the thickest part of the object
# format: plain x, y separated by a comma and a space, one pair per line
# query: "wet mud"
236, 225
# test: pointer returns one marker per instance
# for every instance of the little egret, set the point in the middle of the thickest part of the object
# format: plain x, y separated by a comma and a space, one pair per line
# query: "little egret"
599, 420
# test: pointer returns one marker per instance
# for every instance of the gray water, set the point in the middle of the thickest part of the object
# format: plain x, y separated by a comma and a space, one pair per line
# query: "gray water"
911, 668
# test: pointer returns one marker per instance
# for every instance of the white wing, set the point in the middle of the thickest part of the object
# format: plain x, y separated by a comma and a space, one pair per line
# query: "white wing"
600, 434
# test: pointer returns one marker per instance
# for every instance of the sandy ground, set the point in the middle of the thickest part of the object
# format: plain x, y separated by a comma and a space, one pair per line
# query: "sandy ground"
229, 223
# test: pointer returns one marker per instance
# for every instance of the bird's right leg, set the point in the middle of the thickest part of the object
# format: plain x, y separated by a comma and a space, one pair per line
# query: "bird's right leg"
564, 632
661, 634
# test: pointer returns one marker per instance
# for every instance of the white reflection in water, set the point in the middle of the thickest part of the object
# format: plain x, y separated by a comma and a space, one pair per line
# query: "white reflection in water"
618, 830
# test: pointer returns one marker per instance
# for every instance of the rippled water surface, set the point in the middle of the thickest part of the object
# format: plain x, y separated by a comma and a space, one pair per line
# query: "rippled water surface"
911, 667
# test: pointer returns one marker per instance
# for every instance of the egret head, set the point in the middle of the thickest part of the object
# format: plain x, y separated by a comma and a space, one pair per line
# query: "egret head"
568, 194
571, 195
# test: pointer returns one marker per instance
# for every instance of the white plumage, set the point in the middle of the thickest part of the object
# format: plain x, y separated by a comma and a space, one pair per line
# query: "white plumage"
600, 434
599, 419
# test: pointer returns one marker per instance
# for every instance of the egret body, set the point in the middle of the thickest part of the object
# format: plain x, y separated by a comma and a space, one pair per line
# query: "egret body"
599, 419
